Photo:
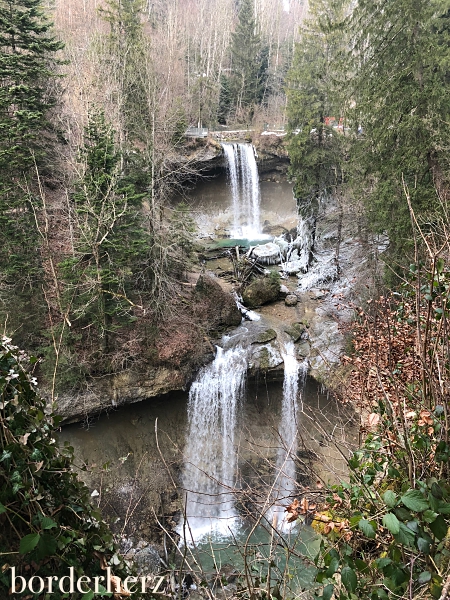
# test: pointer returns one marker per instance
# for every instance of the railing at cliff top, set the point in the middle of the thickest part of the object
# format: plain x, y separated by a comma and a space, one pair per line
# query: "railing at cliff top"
243, 134
200, 132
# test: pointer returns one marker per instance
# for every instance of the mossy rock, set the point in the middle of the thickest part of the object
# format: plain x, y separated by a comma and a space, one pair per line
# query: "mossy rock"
265, 336
266, 357
261, 291
296, 331
214, 304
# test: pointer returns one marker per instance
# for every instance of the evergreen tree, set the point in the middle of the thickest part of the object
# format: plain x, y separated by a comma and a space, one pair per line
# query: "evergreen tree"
27, 64
314, 96
224, 100
249, 60
402, 95
126, 62
112, 245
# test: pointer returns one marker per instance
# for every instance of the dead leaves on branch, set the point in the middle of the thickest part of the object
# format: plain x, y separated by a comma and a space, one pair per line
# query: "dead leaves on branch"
389, 363
304, 507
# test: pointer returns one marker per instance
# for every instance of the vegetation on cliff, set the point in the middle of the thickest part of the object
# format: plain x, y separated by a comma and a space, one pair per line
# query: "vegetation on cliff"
368, 99
48, 524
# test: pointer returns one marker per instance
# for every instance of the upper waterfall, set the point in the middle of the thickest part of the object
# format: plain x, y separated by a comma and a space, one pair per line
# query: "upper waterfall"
245, 190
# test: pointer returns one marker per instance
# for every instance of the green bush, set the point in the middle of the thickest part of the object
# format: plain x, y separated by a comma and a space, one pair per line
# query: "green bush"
47, 521
389, 531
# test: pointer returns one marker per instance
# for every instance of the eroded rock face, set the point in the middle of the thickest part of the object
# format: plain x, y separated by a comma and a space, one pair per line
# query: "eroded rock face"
179, 351
261, 291
127, 387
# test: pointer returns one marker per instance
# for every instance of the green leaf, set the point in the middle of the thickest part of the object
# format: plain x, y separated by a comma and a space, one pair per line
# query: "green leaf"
88, 595
391, 522
348, 578
423, 545
413, 525
405, 536
436, 490
424, 577
47, 523
2, 508
439, 527
328, 592
366, 528
402, 514
414, 500
29, 542
390, 498
333, 567
47, 546
362, 566
444, 509
383, 562
429, 516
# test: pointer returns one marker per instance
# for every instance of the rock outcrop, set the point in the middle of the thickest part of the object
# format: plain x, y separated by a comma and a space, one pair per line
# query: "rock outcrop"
261, 291
181, 347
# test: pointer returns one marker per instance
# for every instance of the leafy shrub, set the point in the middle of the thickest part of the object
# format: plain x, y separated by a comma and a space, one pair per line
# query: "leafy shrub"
388, 535
47, 521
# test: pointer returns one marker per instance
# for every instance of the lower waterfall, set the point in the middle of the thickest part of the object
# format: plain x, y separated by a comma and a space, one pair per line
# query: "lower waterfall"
293, 385
210, 469
210, 455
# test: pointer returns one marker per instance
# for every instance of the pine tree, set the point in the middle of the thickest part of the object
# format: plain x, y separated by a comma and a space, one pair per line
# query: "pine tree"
125, 58
112, 244
249, 60
314, 95
401, 90
223, 108
27, 65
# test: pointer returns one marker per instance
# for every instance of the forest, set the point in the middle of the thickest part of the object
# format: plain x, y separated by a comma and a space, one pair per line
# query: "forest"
98, 242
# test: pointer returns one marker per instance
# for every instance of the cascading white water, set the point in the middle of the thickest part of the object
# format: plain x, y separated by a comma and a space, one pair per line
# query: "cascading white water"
293, 384
245, 190
210, 454
232, 158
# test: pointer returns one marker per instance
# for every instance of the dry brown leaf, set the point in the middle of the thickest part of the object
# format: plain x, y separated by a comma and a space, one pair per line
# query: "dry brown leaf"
293, 507
117, 588
373, 419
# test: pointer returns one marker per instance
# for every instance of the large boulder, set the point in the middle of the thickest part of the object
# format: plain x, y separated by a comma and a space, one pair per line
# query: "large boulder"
261, 291
265, 357
291, 300
214, 304
267, 254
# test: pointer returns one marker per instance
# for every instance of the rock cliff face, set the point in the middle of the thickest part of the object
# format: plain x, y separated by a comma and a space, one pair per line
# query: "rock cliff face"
207, 154
343, 266
181, 348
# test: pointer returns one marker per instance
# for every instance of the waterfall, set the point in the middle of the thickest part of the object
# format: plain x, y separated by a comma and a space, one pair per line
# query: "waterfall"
232, 158
210, 454
245, 190
293, 384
